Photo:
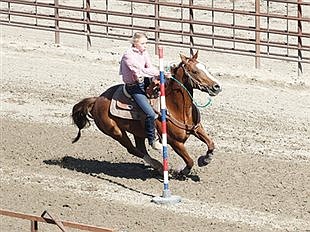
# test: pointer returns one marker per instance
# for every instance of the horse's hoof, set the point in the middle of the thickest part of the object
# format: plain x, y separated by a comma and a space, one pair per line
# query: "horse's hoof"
180, 176
177, 175
185, 171
204, 160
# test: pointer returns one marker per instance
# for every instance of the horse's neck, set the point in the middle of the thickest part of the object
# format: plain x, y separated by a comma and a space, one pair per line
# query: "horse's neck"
180, 103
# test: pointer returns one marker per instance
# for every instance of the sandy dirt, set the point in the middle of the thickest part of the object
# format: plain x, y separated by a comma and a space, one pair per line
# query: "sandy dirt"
259, 179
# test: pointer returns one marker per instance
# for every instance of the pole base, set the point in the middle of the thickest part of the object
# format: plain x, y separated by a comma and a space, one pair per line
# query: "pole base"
166, 199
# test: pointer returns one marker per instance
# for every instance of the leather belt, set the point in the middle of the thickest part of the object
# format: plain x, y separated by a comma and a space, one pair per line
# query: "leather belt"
138, 81
132, 84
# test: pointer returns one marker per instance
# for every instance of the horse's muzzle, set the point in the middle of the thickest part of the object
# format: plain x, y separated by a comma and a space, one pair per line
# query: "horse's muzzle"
214, 90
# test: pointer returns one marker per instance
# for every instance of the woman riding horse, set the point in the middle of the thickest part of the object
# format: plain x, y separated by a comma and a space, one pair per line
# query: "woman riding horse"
183, 117
136, 70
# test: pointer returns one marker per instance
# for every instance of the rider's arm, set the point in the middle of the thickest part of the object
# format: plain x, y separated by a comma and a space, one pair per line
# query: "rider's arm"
149, 70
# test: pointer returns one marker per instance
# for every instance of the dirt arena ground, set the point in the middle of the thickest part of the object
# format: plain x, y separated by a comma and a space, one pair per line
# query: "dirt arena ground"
259, 179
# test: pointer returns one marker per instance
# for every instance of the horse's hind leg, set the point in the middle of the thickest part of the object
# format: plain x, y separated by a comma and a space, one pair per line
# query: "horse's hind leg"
140, 144
140, 149
122, 137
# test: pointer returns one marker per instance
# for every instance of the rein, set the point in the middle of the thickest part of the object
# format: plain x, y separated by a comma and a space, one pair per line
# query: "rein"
195, 103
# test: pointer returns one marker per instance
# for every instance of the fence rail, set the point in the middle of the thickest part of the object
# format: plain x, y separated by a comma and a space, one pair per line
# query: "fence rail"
274, 29
34, 227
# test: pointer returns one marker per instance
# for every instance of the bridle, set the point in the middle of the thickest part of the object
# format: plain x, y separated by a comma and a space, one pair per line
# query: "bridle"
193, 82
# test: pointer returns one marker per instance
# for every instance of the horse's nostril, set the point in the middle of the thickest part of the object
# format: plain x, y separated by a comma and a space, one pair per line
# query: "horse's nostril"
216, 87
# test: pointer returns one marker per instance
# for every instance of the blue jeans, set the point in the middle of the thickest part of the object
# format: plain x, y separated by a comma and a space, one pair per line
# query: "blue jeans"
138, 94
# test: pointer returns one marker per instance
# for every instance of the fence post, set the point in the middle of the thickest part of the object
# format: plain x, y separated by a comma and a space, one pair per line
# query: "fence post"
299, 15
257, 34
191, 27
87, 24
213, 28
36, 11
166, 197
157, 26
9, 12
34, 226
56, 3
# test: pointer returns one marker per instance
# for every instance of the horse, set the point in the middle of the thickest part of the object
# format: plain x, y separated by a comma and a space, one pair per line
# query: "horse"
182, 120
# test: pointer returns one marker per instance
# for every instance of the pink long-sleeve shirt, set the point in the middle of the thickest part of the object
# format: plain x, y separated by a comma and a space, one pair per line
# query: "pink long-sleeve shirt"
136, 64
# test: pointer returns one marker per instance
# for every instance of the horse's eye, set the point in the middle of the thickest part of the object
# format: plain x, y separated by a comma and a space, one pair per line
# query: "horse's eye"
194, 72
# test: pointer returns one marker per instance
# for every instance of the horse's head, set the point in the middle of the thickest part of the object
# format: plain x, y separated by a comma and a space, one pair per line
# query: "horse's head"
197, 75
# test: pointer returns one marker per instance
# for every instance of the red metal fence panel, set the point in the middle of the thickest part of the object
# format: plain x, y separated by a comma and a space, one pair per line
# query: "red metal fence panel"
274, 29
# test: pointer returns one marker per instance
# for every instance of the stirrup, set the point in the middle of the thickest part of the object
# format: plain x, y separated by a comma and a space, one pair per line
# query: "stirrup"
156, 145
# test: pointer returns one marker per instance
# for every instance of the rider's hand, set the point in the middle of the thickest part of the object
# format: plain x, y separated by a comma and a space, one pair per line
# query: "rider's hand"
167, 74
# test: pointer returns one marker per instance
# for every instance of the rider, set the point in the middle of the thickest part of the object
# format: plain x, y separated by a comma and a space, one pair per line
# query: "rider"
136, 70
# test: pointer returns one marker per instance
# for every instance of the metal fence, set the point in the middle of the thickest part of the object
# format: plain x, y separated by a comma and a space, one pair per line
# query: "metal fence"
274, 29
47, 218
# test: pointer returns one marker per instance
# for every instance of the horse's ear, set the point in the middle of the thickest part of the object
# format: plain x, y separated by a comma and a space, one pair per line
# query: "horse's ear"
183, 58
173, 69
196, 55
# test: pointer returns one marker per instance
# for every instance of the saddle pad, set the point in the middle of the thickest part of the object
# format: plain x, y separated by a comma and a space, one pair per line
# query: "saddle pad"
123, 107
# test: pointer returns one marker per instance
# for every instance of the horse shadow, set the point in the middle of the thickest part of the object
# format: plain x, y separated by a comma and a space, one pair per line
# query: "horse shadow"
96, 168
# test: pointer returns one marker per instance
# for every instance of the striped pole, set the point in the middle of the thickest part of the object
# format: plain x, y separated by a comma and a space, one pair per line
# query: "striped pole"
166, 197
163, 111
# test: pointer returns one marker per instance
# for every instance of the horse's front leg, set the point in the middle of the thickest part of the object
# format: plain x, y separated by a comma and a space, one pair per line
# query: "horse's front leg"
204, 137
180, 149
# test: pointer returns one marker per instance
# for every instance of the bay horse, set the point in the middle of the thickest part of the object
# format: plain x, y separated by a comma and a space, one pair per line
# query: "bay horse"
183, 117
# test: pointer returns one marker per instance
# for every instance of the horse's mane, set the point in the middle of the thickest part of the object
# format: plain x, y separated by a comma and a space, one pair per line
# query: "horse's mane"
173, 70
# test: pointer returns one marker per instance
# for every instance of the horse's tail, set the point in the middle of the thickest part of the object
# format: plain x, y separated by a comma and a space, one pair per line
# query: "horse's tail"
80, 114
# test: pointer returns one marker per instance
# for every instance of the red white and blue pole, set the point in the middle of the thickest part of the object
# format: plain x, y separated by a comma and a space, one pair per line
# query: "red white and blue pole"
166, 197
163, 111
